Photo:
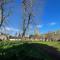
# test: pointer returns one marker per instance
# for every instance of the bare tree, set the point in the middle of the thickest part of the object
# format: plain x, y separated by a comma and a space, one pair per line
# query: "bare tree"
27, 12
2, 11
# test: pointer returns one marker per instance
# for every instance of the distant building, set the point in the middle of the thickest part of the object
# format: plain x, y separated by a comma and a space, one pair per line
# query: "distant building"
13, 38
53, 36
3, 36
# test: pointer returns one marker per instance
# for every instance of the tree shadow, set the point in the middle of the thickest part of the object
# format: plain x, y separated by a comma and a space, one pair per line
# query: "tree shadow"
30, 51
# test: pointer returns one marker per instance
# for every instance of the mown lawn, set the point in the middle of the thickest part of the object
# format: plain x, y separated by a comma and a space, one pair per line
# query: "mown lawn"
53, 44
18, 50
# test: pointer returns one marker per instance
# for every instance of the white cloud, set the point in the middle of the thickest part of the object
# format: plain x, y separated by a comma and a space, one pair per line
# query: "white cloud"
11, 29
39, 26
52, 23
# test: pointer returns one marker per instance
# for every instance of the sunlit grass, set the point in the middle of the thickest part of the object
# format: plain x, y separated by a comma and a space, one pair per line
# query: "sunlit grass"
54, 44
49, 43
7, 44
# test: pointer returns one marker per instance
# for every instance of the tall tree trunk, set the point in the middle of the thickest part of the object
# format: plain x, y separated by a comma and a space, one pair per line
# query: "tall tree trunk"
27, 7
1, 10
1, 22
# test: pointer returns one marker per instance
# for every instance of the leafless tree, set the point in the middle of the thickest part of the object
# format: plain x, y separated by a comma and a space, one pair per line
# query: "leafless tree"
2, 11
27, 12
5, 12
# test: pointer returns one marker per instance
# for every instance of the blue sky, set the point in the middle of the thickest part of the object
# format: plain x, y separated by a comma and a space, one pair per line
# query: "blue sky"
46, 16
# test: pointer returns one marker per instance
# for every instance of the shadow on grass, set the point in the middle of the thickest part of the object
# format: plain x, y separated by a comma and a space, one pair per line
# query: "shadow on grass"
30, 51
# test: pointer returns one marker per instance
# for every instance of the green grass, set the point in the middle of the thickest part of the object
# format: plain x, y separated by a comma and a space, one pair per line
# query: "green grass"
18, 50
53, 44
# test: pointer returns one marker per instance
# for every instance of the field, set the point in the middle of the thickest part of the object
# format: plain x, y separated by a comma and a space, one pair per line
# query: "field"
18, 50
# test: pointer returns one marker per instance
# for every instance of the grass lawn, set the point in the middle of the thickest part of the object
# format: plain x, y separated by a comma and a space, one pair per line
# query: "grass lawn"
53, 44
18, 50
